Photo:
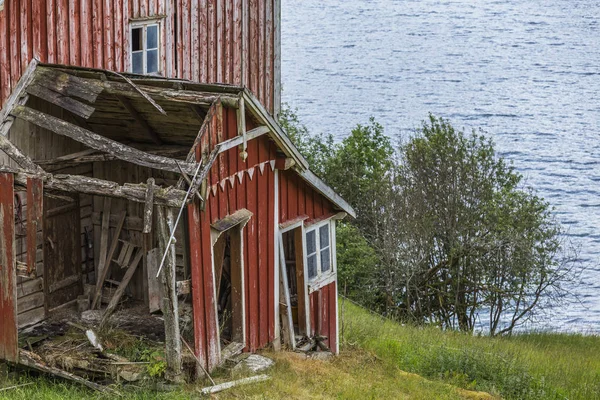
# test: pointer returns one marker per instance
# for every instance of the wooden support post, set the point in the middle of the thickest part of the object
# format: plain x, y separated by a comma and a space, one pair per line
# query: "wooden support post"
287, 323
149, 206
9, 348
170, 307
303, 298
35, 206
103, 273
241, 125
121, 289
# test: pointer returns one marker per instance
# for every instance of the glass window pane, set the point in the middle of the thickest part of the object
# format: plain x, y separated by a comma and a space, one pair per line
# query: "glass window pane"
324, 235
136, 39
137, 62
152, 61
312, 266
325, 260
311, 242
152, 37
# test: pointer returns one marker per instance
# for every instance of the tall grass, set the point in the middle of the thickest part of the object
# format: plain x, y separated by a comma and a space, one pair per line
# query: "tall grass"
527, 366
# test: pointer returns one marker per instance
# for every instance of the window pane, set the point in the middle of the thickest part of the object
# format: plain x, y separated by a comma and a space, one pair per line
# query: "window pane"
152, 37
152, 61
311, 242
325, 260
312, 266
137, 62
324, 235
136, 39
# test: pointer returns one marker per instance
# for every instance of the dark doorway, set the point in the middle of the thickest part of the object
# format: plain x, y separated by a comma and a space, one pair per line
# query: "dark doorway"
294, 262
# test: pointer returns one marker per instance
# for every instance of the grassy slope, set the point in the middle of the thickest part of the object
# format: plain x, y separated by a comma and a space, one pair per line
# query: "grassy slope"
536, 365
375, 354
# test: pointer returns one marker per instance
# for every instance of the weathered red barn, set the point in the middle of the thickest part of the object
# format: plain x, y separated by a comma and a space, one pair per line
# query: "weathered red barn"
180, 168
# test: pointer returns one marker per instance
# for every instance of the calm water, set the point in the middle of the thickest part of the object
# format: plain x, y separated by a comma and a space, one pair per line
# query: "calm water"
527, 72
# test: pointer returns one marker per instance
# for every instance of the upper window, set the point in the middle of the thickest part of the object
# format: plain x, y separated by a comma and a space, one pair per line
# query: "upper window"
318, 251
145, 47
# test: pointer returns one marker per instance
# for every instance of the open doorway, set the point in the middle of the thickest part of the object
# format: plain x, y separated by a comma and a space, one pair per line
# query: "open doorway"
294, 264
229, 277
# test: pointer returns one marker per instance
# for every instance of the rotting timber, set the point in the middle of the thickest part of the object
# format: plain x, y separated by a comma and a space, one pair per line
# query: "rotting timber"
158, 129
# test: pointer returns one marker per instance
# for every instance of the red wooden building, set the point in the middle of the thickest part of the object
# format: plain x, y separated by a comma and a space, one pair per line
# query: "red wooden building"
141, 134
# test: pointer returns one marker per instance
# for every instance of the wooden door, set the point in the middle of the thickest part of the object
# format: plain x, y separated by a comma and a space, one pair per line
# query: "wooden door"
62, 251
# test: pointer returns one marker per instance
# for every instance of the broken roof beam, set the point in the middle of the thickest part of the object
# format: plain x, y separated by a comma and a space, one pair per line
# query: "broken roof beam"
138, 117
169, 196
100, 143
181, 96
17, 155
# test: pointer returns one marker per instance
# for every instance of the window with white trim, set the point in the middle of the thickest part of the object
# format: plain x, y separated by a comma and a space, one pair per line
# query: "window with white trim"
145, 47
318, 251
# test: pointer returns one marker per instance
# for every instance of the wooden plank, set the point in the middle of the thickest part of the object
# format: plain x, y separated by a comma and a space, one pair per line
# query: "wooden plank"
121, 289
35, 207
109, 256
30, 286
154, 296
73, 106
27, 303
240, 140
303, 318
103, 243
131, 223
101, 143
149, 206
169, 302
8, 278
31, 360
31, 317
287, 323
68, 281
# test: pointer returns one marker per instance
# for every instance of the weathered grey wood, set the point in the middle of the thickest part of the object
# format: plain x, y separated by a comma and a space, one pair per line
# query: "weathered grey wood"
169, 196
17, 96
241, 126
231, 350
180, 96
98, 142
239, 382
121, 289
67, 84
68, 281
103, 273
169, 303
67, 157
149, 206
31, 317
136, 115
17, 155
239, 217
32, 360
198, 362
154, 291
73, 106
240, 140
184, 287
103, 242
287, 323
131, 223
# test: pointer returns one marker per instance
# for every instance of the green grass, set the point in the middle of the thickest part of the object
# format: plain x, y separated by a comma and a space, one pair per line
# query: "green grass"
526, 366
383, 360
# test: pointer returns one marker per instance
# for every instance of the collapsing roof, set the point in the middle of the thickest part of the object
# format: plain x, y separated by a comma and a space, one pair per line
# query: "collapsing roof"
131, 117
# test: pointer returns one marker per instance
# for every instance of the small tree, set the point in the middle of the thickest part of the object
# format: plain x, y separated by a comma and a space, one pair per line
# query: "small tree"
474, 240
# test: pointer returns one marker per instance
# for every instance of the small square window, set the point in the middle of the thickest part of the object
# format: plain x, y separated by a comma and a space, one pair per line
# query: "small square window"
318, 251
145, 48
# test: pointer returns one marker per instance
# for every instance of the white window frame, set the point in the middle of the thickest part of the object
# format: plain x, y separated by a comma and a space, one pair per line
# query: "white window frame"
144, 24
322, 278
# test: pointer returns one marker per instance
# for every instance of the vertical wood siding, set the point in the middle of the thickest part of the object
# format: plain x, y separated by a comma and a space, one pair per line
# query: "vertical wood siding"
233, 185
213, 41
323, 314
297, 199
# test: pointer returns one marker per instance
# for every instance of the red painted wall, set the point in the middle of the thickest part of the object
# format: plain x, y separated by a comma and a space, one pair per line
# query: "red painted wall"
296, 199
8, 292
323, 314
204, 40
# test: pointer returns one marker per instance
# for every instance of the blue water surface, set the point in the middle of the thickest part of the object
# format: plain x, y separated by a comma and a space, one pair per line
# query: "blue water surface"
527, 72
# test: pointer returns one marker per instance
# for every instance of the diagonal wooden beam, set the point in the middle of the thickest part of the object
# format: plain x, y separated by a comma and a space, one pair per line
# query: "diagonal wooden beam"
136, 115
100, 143
240, 140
